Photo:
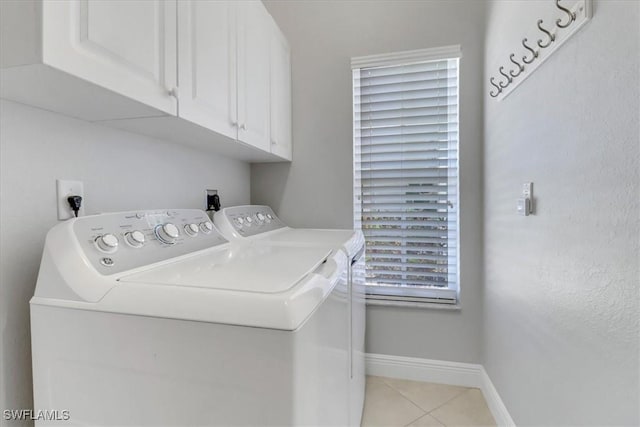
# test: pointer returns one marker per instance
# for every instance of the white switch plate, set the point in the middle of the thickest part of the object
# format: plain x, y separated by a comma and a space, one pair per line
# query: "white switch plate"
66, 188
523, 207
527, 190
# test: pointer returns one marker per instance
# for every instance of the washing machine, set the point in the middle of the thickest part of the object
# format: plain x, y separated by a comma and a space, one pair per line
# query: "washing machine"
258, 225
154, 318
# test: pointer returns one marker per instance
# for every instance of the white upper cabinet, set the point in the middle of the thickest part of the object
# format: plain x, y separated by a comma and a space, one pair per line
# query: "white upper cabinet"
210, 73
128, 47
90, 59
280, 74
253, 74
207, 43
224, 68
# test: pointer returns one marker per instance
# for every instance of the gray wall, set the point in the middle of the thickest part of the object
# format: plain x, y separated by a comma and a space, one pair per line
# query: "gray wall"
562, 287
316, 189
120, 171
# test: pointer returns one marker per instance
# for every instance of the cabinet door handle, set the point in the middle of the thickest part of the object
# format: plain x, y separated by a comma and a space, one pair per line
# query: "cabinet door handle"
243, 126
174, 92
234, 123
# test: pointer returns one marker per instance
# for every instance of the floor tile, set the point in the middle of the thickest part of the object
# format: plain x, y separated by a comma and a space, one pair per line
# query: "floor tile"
384, 406
428, 396
425, 421
468, 409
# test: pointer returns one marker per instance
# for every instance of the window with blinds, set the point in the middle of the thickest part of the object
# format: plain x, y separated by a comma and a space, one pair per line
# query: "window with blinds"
406, 173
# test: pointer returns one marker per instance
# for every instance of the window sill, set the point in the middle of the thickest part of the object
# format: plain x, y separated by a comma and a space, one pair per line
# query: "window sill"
413, 304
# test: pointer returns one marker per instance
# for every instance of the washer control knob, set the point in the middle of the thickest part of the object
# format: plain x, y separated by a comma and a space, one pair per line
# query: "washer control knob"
260, 217
107, 243
206, 227
191, 229
269, 216
135, 238
167, 233
249, 220
239, 222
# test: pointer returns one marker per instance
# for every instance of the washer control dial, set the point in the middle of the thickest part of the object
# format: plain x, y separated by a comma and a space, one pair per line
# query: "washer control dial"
107, 243
191, 229
249, 221
260, 216
206, 227
167, 233
239, 221
134, 238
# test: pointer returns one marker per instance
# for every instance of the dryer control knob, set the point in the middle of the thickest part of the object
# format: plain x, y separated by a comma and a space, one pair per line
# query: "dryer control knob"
248, 220
191, 229
260, 216
167, 233
107, 243
135, 238
206, 227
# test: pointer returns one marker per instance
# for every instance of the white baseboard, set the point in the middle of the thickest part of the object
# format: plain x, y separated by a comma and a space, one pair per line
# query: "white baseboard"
433, 371
494, 402
442, 372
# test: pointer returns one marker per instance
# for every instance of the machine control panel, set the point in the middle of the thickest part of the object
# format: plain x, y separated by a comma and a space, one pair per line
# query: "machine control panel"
251, 220
122, 241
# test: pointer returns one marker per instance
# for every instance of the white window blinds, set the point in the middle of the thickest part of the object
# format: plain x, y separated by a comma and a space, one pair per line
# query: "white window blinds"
406, 175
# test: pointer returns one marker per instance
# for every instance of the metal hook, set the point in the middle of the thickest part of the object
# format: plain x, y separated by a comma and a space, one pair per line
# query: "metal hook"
493, 95
520, 66
533, 52
571, 15
552, 37
509, 79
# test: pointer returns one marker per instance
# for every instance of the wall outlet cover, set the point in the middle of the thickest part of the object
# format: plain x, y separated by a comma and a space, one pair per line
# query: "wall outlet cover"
66, 188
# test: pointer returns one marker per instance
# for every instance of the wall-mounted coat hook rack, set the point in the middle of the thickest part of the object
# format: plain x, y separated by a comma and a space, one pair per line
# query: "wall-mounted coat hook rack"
508, 77
499, 89
519, 66
534, 56
572, 16
534, 52
551, 36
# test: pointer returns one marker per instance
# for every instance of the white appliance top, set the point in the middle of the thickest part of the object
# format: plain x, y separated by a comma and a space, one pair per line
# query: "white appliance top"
265, 269
175, 264
259, 224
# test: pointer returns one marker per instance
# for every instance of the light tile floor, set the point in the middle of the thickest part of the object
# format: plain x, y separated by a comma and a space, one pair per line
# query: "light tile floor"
392, 402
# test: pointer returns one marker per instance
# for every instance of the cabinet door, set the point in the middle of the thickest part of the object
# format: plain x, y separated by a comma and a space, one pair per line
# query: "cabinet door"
128, 47
253, 74
280, 129
207, 64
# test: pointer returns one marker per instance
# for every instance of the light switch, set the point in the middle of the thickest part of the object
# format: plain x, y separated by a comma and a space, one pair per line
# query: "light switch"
524, 207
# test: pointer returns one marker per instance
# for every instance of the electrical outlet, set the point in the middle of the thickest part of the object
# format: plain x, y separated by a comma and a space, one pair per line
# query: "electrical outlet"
208, 195
66, 188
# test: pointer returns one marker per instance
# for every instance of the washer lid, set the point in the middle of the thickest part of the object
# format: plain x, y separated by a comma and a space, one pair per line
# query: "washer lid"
351, 241
334, 238
261, 269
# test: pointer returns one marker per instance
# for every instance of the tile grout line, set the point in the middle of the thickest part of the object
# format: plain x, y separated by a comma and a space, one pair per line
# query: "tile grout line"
430, 413
437, 419
466, 389
413, 421
407, 399
454, 397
